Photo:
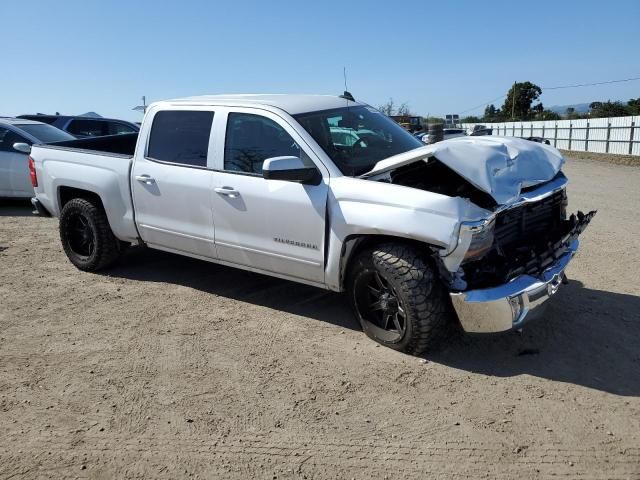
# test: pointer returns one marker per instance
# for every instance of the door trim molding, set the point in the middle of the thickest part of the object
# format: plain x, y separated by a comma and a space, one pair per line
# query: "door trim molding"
243, 267
173, 232
269, 254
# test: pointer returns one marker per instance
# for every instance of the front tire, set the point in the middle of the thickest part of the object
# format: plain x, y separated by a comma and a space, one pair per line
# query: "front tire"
398, 298
86, 236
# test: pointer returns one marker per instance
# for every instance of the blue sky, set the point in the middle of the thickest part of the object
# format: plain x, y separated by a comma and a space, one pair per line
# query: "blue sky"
441, 57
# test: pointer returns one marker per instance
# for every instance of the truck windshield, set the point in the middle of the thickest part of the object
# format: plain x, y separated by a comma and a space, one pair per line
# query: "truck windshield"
45, 133
356, 138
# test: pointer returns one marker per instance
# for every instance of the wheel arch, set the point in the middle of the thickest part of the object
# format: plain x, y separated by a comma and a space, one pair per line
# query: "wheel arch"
65, 194
108, 198
354, 244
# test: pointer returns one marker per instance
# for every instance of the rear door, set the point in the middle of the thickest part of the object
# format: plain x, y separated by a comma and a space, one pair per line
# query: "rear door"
271, 225
171, 181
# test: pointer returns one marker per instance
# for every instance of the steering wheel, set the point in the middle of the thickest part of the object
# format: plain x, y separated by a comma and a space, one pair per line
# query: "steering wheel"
360, 142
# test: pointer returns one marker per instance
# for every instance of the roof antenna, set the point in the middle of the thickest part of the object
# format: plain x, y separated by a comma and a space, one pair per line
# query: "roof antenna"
346, 95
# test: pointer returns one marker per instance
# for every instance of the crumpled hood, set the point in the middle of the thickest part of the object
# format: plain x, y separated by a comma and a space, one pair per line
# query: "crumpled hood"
499, 166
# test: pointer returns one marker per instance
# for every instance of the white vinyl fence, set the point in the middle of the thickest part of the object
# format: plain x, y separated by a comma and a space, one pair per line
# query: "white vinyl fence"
619, 135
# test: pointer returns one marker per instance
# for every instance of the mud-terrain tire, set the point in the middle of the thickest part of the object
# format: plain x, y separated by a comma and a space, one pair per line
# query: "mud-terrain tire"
86, 236
398, 298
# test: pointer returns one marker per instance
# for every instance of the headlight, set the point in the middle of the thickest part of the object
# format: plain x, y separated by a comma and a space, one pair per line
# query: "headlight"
481, 242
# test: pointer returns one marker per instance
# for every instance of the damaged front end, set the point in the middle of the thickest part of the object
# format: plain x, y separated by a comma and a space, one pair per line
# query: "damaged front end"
501, 266
528, 246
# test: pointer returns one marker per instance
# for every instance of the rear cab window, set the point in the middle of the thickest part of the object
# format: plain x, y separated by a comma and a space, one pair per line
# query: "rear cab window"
180, 137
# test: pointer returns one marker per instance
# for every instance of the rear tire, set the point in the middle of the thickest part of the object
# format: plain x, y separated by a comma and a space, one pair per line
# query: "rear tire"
86, 236
398, 298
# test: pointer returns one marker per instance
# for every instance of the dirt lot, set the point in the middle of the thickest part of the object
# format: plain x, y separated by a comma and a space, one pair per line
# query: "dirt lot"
167, 367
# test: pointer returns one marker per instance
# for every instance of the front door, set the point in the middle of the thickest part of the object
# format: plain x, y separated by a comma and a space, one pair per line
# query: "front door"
14, 166
271, 225
171, 183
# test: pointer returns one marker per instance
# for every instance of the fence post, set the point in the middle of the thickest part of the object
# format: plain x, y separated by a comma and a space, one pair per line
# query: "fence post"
531, 131
606, 149
543, 130
570, 130
513, 129
521, 129
555, 136
586, 139
633, 124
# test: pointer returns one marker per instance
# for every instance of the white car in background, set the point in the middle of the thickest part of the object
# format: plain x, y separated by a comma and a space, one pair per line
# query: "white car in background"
16, 137
448, 133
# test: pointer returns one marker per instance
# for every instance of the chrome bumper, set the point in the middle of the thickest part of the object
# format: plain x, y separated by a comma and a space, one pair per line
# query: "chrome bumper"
507, 306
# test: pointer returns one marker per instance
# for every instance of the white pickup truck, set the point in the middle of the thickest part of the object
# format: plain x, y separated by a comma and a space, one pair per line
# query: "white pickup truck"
473, 229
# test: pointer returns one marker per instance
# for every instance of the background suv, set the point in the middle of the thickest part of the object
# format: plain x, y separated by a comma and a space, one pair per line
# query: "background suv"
82, 127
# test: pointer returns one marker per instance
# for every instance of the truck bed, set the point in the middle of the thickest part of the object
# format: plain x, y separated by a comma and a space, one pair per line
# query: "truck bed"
124, 144
100, 166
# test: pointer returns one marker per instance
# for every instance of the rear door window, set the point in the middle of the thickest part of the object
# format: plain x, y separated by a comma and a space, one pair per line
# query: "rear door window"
180, 136
116, 128
88, 128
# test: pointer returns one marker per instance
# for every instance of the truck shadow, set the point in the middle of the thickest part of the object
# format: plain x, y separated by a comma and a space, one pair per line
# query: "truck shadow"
311, 302
10, 207
589, 337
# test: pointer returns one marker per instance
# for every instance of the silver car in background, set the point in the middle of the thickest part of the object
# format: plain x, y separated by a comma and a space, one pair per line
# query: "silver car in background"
16, 137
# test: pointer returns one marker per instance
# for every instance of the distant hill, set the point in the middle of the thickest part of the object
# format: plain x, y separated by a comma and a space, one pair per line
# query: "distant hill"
579, 108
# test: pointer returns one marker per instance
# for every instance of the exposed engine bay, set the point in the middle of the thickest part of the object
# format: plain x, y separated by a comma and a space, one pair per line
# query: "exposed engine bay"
434, 176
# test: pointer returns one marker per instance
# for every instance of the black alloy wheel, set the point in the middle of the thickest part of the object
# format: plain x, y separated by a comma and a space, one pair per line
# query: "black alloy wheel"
378, 305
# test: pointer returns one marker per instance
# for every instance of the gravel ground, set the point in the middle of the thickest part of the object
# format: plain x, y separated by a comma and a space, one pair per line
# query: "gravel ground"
167, 367
629, 160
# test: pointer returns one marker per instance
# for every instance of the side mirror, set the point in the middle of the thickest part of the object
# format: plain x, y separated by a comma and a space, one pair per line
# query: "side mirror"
290, 169
22, 147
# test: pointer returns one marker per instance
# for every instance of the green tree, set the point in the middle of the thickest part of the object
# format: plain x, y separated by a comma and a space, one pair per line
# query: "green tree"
548, 115
634, 106
471, 119
609, 109
570, 113
492, 114
520, 98
430, 120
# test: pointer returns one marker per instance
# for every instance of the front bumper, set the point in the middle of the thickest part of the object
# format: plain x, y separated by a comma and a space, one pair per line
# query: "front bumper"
508, 306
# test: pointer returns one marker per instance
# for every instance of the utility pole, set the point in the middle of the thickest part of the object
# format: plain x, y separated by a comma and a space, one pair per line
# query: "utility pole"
513, 102
141, 108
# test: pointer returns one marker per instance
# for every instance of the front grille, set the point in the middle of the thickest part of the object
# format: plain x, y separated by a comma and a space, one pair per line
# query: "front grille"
528, 239
526, 224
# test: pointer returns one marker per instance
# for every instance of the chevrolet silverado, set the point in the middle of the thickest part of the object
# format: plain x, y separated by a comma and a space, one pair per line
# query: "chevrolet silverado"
472, 229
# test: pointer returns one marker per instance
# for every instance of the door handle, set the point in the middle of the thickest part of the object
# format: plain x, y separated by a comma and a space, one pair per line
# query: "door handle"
228, 191
145, 179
